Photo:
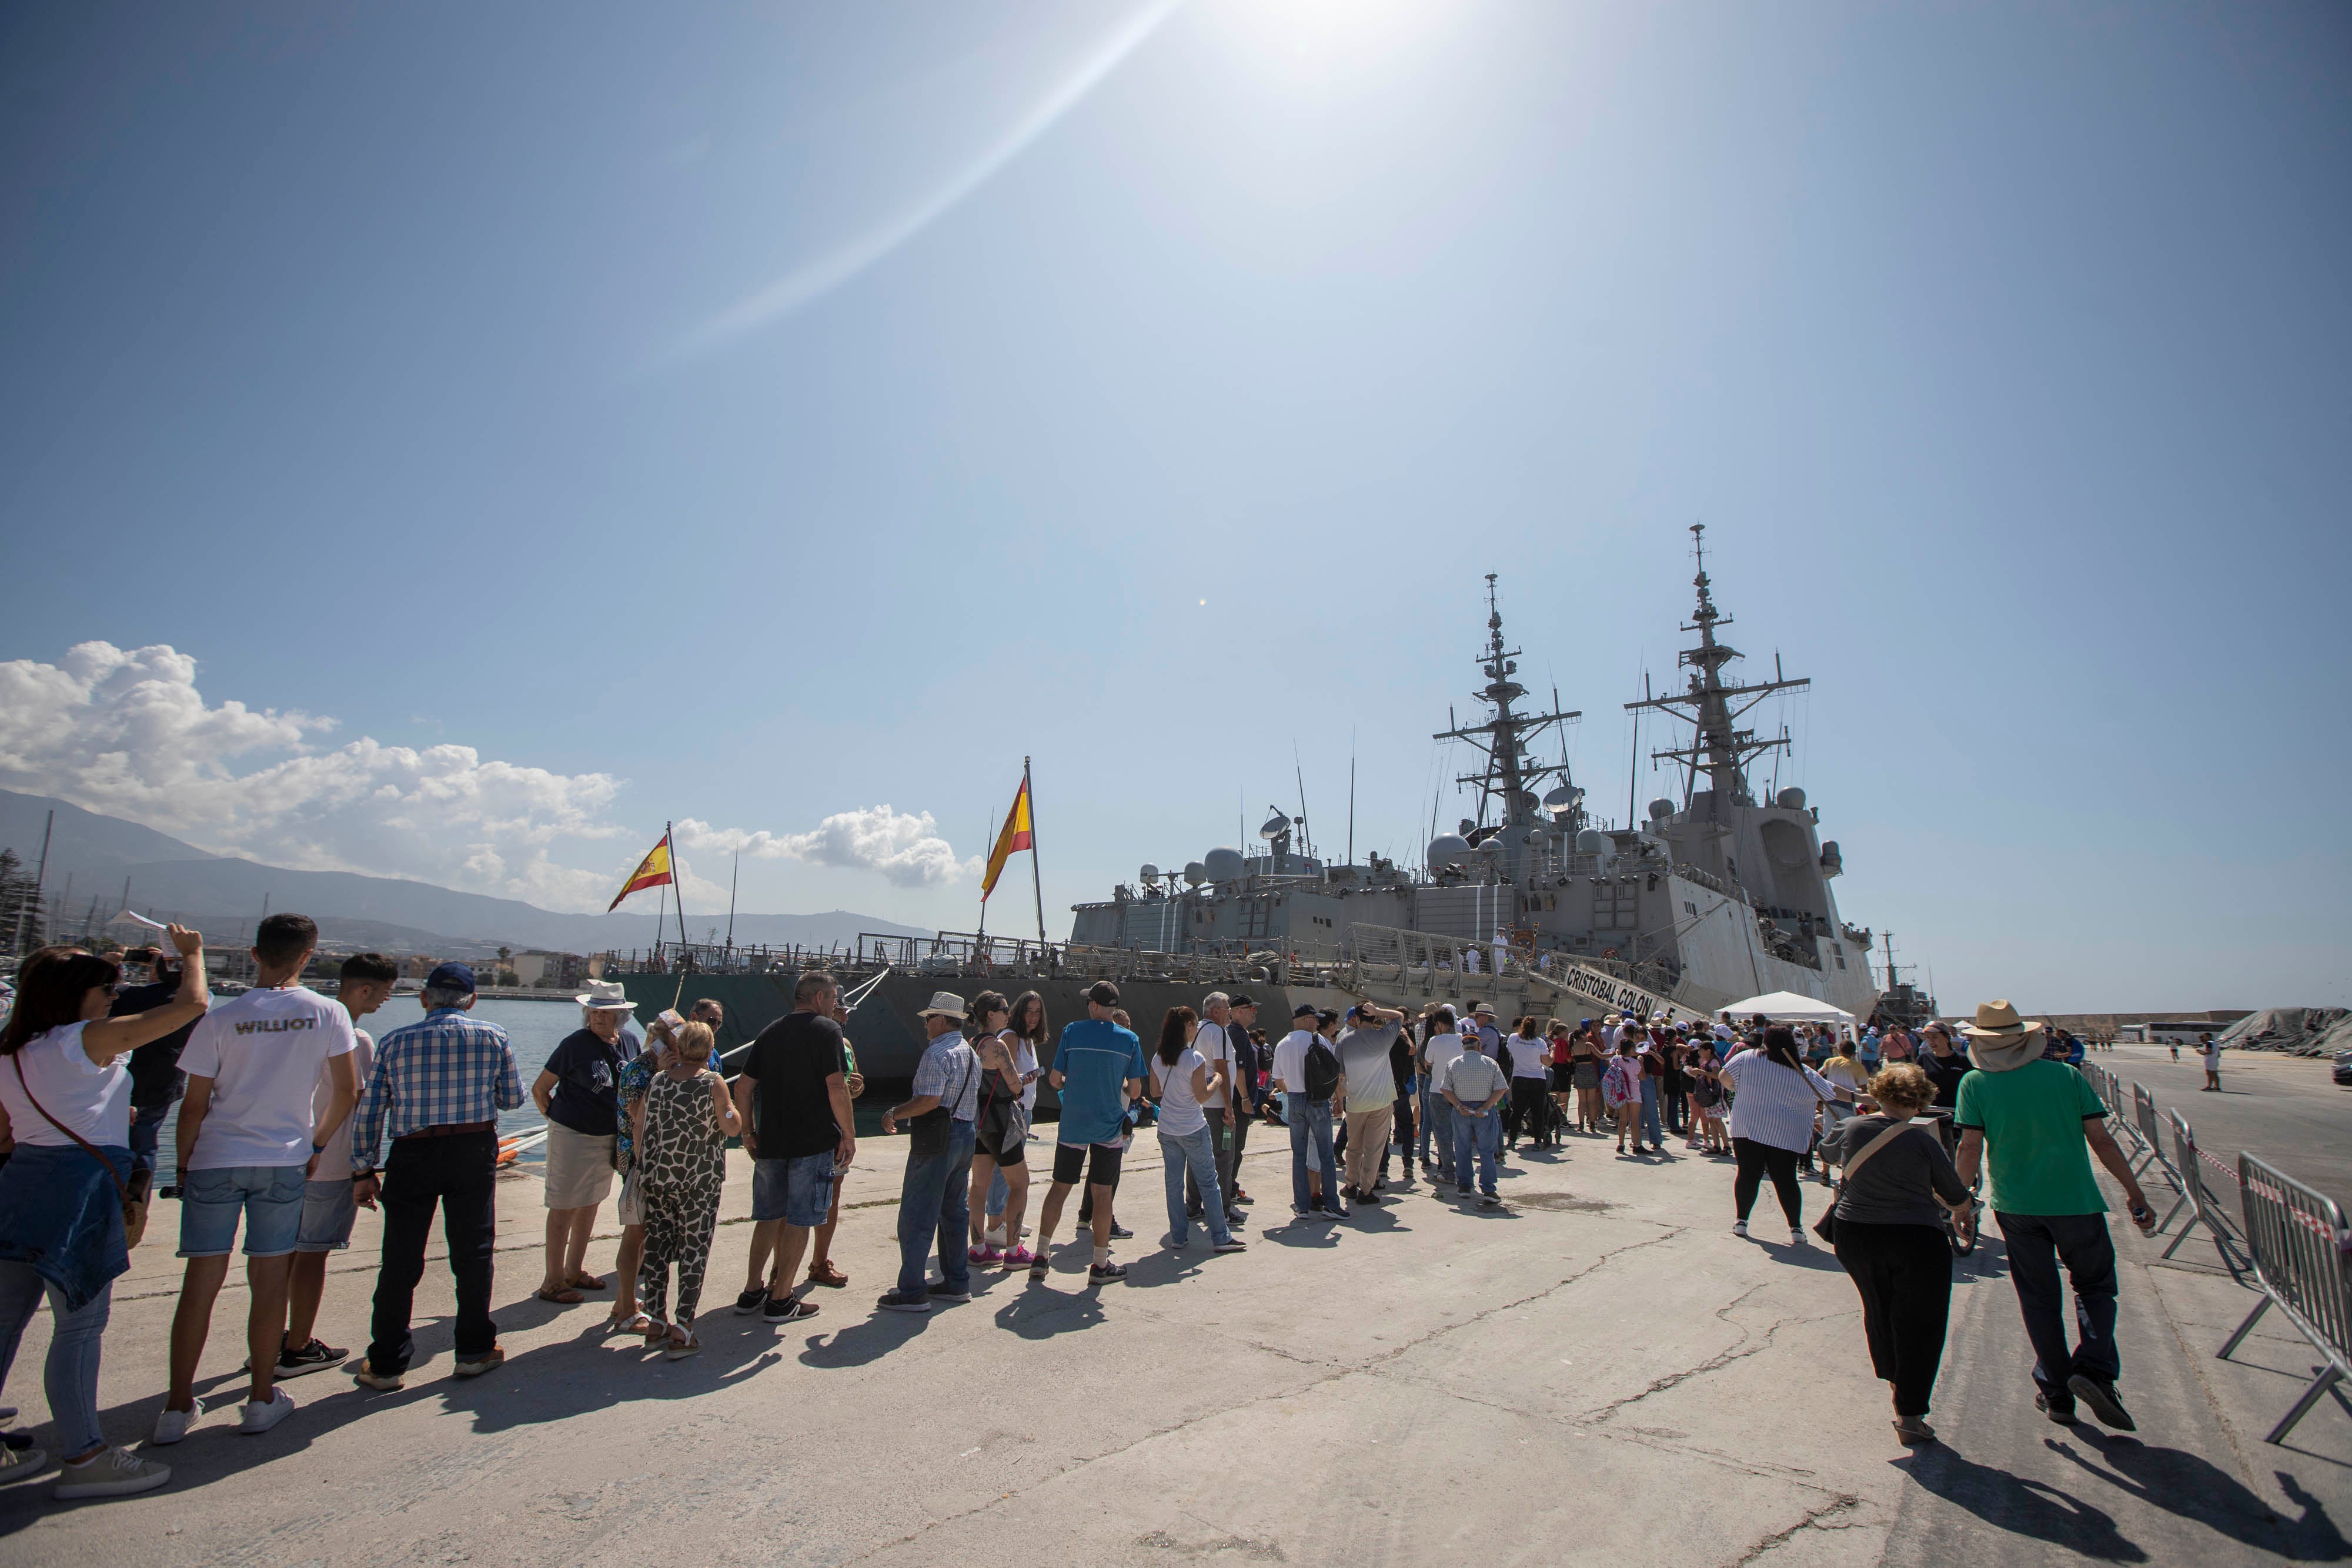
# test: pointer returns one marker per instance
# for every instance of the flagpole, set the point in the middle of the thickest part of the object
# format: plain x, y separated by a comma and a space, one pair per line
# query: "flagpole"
1036, 881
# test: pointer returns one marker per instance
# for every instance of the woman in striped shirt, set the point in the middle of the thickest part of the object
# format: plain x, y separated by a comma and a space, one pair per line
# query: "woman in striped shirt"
1776, 1096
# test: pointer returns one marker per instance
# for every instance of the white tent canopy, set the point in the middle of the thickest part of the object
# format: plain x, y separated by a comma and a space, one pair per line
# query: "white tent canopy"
1788, 1007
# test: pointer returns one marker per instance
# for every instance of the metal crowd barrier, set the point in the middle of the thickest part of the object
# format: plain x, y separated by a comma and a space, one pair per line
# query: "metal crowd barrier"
2149, 1131
2205, 1207
2298, 1240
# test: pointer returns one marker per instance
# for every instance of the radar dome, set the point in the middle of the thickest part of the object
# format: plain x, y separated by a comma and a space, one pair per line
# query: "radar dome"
1195, 872
1224, 865
1594, 841
1150, 874
1447, 849
1792, 799
1492, 845
1661, 808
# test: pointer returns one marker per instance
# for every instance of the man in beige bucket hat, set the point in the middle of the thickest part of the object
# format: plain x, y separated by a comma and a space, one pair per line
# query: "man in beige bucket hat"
2041, 1121
935, 1196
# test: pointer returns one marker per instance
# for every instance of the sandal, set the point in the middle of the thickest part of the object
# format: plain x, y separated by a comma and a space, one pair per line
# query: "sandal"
566, 1296
824, 1273
586, 1282
1911, 1431
656, 1331
636, 1323
679, 1349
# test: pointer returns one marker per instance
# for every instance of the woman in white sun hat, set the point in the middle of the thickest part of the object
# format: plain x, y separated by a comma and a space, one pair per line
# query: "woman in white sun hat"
578, 1093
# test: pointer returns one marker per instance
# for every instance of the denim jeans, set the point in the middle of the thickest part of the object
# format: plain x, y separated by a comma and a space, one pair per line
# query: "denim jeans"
1441, 1131
70, 1379
1189, 1159
2037, 1244
1651, 1130
146, 1132
1481, 1135
1221, 1146
1311, 1122
935, 1200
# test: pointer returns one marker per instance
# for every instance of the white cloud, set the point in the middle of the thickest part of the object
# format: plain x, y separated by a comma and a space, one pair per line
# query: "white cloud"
127, 733
907, 849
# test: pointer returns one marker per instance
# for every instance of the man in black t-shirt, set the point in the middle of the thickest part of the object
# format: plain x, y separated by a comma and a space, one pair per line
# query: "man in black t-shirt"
155, 1076
800, 1142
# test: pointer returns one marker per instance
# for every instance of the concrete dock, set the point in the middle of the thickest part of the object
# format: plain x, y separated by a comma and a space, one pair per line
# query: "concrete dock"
1600, 1371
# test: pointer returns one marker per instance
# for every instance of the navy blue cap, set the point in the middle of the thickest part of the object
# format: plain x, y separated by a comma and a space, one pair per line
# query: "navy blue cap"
450, 977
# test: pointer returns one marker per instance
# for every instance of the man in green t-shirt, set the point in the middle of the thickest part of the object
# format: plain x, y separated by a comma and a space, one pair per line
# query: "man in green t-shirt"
2041, 1120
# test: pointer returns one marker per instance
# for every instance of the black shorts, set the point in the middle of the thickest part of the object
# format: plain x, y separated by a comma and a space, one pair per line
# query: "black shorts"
1563, 1077
1099, 1162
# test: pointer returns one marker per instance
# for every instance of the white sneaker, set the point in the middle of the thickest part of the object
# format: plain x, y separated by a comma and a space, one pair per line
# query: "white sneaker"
111, 1472
1740, 1227
1796, 1237
255, 1416
170, 1427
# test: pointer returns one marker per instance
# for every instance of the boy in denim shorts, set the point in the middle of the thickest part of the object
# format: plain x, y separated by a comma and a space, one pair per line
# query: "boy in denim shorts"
328, 1207
247, 1144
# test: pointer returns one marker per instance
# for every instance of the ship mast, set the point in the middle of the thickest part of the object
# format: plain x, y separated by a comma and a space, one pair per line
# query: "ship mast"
1504, 739
1718, 746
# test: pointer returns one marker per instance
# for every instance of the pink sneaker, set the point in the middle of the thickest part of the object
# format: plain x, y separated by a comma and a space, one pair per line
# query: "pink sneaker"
1019, 1258
987, 1255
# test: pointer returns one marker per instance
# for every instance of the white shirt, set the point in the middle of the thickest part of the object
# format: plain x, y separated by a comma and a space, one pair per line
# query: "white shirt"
1024, 1063
1531, 1058
338, 1157
1441, 1049
1211, 1043
93, 1101
2213, 1057
1290, 1060
1180, 1112
264, 1051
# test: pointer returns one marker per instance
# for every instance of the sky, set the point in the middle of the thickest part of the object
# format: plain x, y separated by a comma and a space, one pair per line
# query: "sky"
452, 441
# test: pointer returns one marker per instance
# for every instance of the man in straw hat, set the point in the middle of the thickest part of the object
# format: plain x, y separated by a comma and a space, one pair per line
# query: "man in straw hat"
935, 1198
2041, 1120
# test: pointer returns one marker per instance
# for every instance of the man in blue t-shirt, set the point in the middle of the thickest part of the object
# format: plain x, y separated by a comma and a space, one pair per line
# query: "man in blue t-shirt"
1097, 1071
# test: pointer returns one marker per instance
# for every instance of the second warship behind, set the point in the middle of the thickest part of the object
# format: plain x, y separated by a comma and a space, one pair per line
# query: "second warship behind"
1716, 897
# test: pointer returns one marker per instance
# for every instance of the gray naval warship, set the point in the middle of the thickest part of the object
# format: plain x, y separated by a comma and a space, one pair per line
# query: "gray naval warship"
1532, 906
1715, 897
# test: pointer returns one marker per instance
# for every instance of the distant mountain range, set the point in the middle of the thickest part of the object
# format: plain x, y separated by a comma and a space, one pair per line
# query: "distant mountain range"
222, 895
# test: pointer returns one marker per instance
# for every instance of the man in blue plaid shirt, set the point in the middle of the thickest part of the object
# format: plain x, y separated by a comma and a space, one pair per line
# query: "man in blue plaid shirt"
437, 1088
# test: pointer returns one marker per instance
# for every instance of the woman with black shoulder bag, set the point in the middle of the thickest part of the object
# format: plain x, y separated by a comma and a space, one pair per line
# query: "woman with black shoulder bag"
70, 1202
1000, 1140
1887, 1226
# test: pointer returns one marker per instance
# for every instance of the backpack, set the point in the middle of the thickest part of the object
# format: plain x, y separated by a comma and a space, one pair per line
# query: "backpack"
1322, 1069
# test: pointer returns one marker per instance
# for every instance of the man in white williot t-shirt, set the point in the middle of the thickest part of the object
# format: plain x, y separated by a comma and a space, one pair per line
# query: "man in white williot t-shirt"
249, 1142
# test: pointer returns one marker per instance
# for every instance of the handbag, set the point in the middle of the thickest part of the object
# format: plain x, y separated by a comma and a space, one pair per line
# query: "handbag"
1003, 1122
1826, 1226
133, 1196
927, 1134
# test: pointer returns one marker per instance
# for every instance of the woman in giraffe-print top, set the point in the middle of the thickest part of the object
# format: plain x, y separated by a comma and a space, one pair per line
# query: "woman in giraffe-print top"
679, 1129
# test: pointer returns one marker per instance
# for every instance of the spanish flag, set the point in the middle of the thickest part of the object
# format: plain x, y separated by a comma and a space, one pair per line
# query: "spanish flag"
1017, 835
652, 871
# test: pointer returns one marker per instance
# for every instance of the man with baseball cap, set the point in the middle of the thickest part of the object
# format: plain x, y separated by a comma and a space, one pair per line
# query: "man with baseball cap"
2041, 1120
436, 1089
1097, 1071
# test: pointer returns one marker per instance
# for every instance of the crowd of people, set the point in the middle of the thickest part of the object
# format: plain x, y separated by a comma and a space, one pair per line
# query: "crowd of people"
291, 1118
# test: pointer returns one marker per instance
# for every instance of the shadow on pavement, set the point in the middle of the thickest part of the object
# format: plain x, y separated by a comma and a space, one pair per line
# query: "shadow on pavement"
2195, 1489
